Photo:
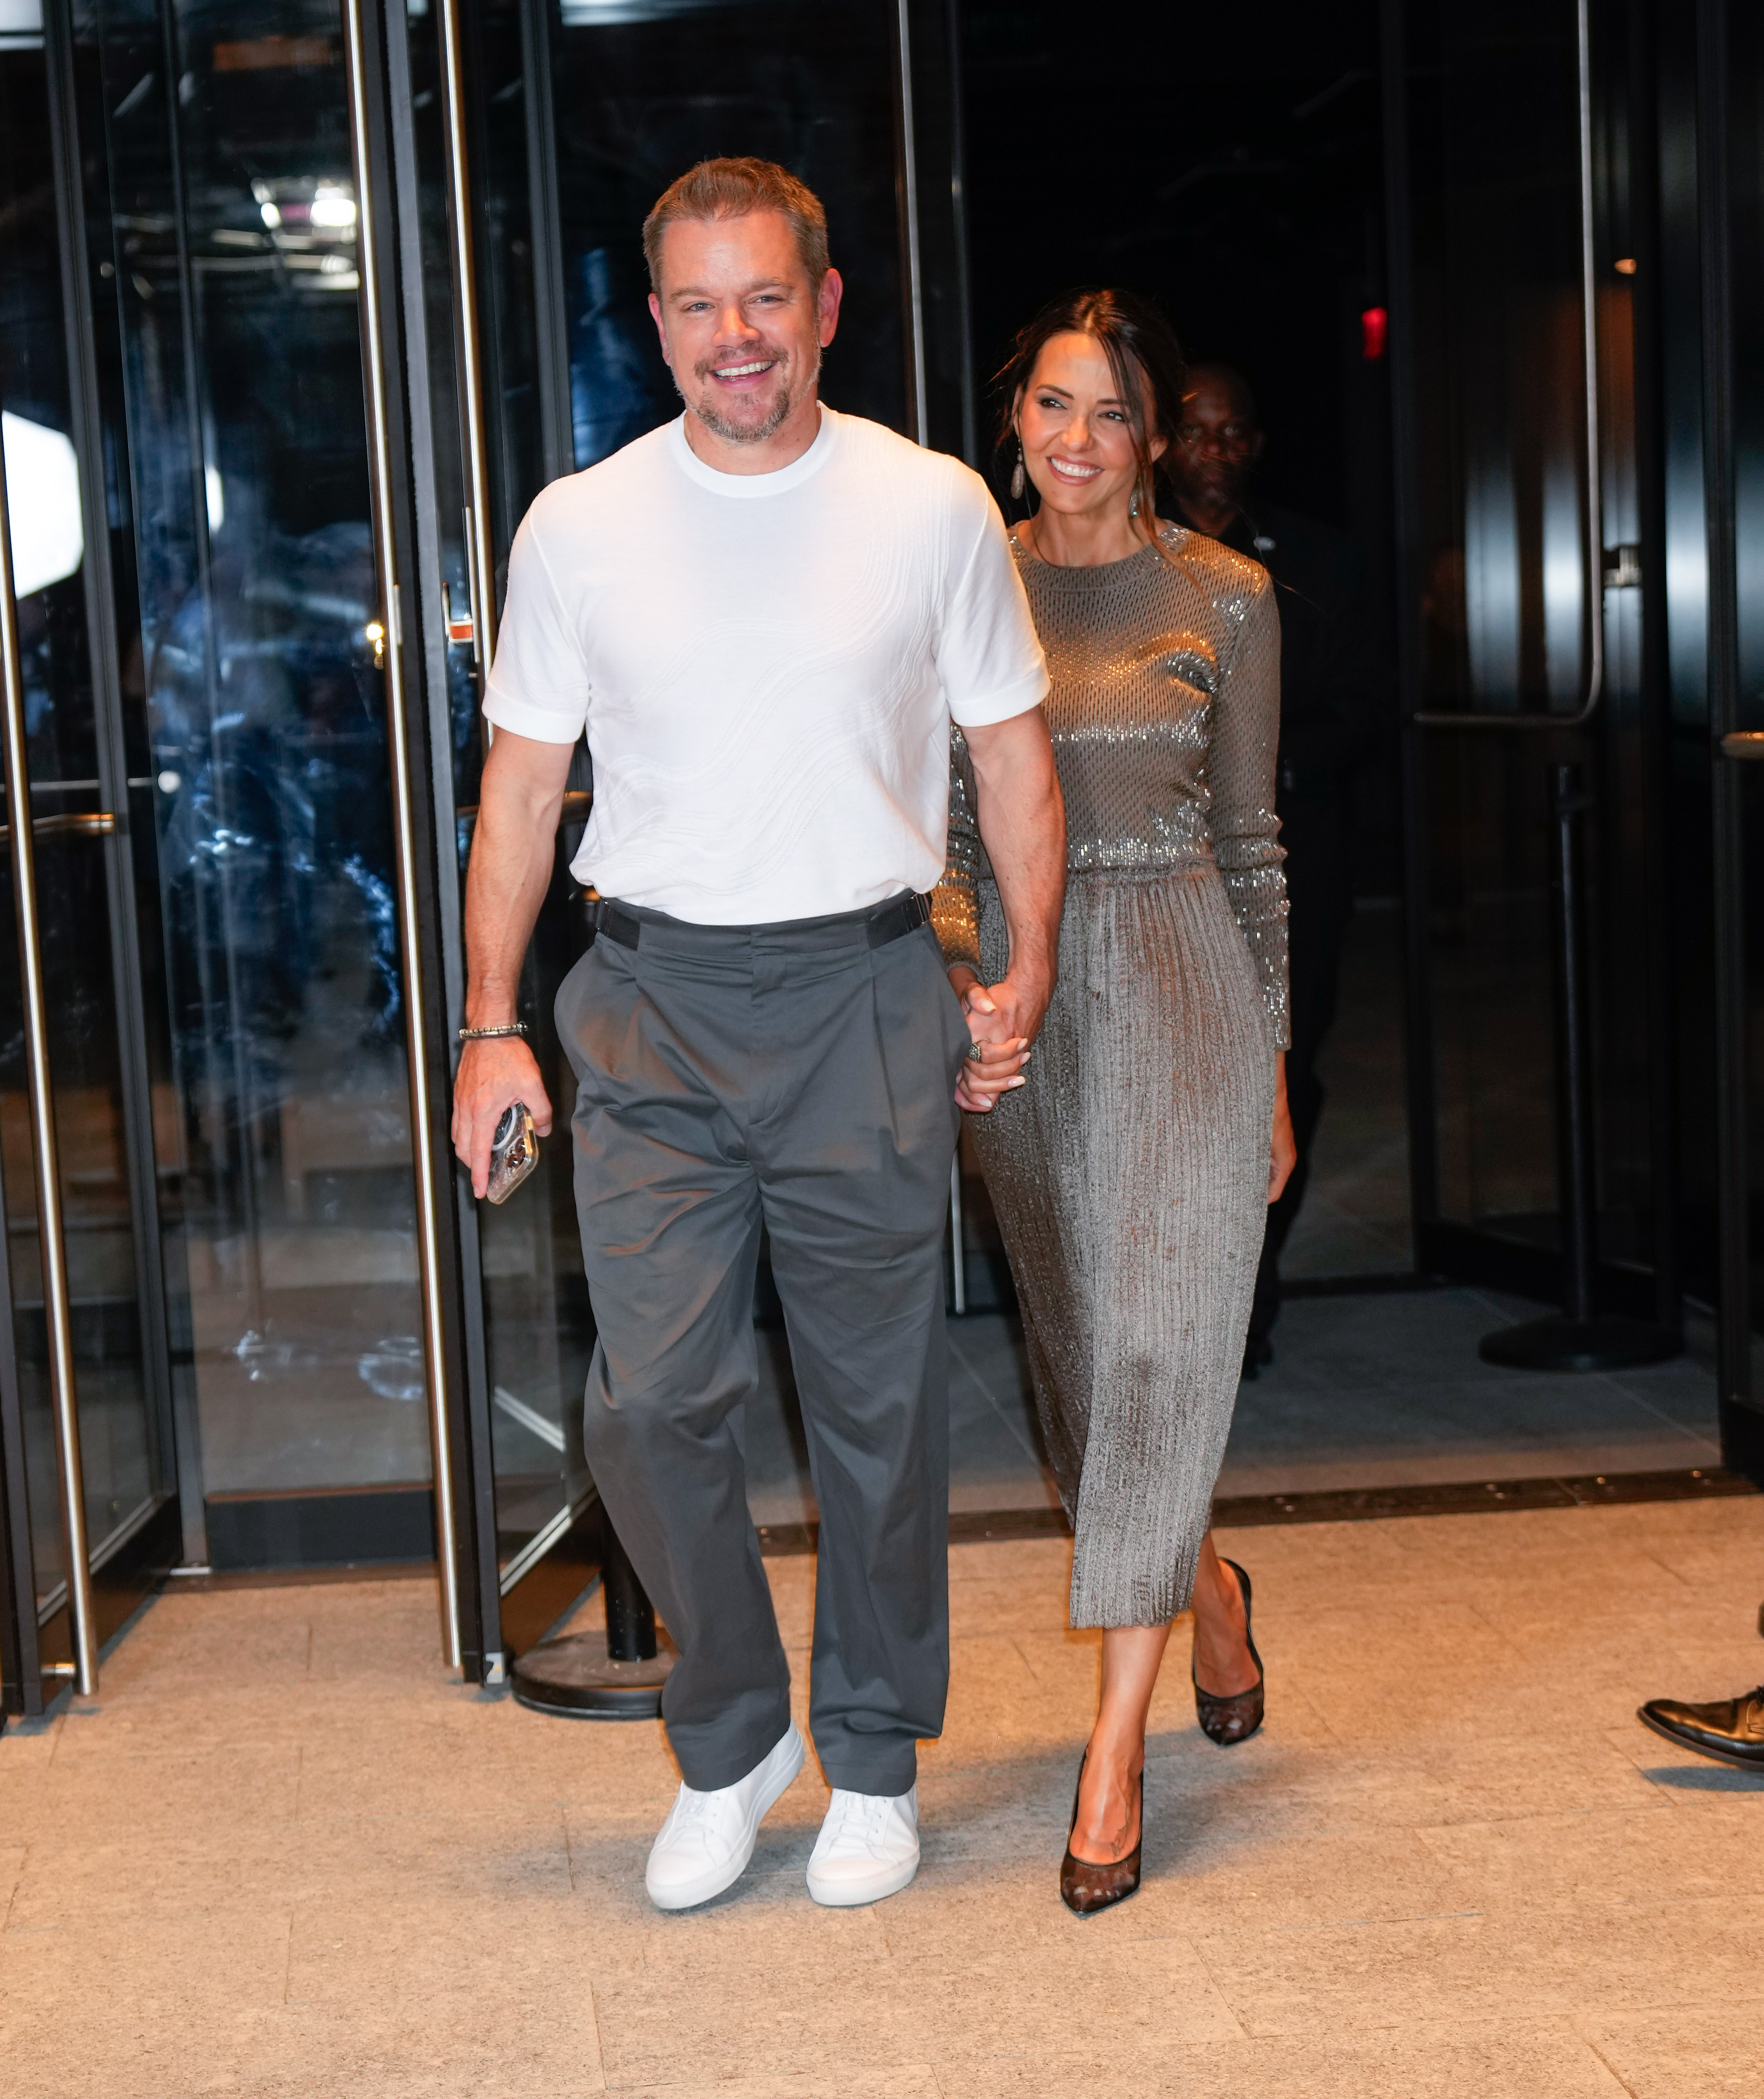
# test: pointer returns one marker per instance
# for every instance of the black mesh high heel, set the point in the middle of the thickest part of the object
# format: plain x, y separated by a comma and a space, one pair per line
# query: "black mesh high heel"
1234, 1719
1087, 1886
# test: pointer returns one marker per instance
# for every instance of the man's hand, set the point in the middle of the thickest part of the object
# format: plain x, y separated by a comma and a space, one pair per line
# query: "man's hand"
1002, 1019
1283, 1148
513, 848
1022, 824
494, 1075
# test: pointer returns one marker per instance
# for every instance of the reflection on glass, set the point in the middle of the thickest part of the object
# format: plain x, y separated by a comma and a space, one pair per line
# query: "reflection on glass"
1507, 591
232, 215
118, 1423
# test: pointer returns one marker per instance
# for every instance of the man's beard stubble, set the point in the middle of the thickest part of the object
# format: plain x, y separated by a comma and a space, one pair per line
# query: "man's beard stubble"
783, 403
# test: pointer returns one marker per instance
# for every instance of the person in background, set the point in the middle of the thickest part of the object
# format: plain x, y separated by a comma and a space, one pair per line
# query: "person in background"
1132, 1180
1333, 684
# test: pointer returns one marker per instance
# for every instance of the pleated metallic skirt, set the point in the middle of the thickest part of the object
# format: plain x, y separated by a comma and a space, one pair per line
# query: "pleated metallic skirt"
1130, 1181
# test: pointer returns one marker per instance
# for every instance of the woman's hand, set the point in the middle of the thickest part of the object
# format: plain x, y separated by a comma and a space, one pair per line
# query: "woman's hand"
1283, 1150
1002, 1057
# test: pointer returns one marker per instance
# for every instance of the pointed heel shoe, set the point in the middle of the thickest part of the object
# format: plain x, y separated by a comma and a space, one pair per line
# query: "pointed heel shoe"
1234, 1719
1086, 1886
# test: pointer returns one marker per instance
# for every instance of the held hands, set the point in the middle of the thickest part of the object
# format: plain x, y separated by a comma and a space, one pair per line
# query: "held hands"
494, 1075
1283, 1150
1002, 1018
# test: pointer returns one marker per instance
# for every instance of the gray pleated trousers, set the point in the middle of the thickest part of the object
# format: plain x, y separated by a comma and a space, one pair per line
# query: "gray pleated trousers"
794, 1075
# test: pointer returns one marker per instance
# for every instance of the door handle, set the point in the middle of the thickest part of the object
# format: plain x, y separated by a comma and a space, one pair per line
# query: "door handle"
85, 824
1743, 743
1595, 527
480, 557
383, 493
64, 1391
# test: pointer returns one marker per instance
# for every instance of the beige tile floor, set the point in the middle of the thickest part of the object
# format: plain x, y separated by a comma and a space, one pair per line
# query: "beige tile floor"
280, 1856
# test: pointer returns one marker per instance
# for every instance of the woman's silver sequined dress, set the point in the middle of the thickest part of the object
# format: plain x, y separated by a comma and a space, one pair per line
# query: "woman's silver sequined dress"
1129, 1175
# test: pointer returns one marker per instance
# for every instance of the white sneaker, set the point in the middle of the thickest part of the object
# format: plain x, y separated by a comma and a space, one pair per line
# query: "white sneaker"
868, 1848
708, 1839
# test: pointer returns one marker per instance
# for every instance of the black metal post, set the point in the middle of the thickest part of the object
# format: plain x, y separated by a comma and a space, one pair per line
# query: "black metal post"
630, 1614
1579, 1339
1574, 1048
616, 1675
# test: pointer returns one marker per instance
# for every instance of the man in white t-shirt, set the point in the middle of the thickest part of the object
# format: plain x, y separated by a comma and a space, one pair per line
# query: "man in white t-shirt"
765, 615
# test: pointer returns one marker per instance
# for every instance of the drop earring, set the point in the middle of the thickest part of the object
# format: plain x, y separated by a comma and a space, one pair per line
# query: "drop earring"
1133, 502
1018, 475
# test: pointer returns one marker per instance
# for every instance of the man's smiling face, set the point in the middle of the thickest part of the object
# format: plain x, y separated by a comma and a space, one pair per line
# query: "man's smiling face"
742, 327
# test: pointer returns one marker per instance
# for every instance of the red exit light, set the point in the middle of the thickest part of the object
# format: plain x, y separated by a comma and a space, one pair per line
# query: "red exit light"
1374, 325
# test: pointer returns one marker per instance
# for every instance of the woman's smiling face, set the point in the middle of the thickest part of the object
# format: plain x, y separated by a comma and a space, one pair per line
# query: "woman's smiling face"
1076, 432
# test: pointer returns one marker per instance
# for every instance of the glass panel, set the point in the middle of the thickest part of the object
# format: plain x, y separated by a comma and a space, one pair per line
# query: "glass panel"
118, 1421
1500, 366
643, 89
637, 91
231, 215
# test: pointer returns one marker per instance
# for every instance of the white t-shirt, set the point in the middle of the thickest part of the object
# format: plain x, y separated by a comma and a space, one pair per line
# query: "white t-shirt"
766, 666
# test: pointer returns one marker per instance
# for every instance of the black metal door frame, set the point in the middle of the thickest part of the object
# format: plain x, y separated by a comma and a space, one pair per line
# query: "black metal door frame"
1742, 1418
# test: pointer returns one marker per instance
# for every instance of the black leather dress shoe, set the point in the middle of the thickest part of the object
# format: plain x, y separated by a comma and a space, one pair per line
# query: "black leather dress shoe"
1733, 1729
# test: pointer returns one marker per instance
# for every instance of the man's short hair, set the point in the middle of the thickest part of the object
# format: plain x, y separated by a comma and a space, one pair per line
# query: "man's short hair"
731, 189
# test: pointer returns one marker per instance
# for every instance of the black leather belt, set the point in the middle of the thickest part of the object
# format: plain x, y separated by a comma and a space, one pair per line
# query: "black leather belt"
893, 921
615, 924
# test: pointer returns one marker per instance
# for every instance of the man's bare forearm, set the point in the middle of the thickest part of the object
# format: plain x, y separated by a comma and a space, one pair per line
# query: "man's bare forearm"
513, 849
1022, 824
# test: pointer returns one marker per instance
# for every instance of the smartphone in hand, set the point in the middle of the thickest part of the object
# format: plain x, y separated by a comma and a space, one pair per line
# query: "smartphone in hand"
513, 1154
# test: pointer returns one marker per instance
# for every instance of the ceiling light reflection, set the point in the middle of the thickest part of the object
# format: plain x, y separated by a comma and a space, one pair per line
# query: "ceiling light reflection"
43, 499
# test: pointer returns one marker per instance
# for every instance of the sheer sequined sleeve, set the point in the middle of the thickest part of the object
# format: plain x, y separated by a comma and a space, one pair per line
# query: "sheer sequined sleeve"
954, 911
1240, 770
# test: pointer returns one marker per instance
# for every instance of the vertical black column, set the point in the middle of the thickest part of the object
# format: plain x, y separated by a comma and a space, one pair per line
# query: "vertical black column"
1742, 1436
1417, 990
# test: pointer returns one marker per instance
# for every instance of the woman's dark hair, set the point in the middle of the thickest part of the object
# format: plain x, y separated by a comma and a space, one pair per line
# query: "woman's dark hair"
1139, 343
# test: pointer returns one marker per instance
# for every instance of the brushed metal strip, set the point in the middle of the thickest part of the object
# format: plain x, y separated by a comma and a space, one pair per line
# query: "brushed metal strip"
480, 554
386, 551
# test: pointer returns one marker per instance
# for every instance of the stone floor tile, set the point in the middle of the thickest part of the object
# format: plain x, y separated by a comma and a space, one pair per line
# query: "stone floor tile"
1583, 1864
908, 2080
1487, 1965
997, 1704
116, 1992
1042, 1564
163, 1793
1514, 2061
1713, 2051
1452, 1861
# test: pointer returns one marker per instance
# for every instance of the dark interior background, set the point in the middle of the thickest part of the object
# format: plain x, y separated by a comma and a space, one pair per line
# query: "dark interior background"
1228, 163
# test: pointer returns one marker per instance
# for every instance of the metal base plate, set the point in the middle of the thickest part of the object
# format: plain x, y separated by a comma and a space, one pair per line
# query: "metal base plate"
575, 1678
1604, 1343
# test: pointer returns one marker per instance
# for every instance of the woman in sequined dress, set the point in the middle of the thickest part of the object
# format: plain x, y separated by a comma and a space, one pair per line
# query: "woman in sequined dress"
1131, 1177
